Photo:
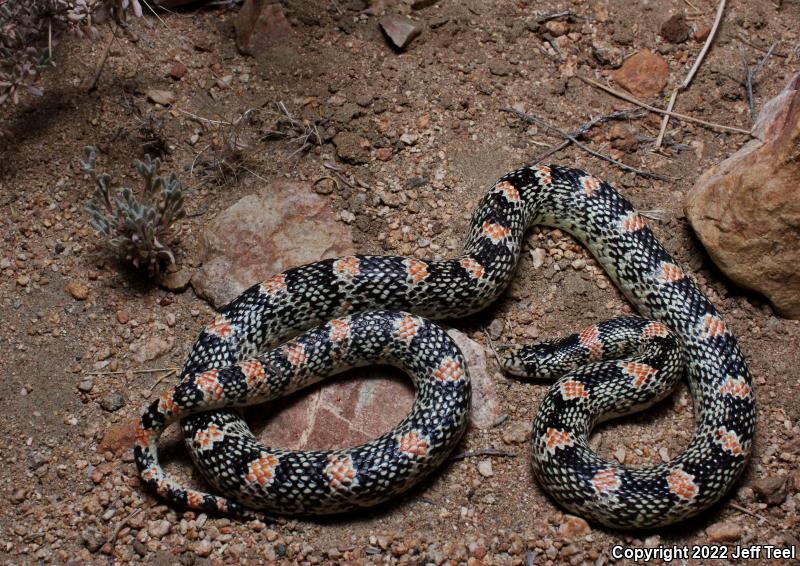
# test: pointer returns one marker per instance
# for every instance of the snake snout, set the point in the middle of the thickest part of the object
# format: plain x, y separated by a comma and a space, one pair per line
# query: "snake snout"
528, 361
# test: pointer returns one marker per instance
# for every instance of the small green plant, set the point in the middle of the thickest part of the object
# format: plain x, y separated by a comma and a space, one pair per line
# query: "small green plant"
137, 226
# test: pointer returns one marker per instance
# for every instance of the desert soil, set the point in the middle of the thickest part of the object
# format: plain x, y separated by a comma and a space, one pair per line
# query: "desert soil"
429, 136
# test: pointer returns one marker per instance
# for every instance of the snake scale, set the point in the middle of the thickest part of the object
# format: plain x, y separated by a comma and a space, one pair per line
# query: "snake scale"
231, 364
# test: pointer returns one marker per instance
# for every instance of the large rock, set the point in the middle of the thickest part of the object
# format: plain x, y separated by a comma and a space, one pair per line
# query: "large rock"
260, 24
283, 226
340, 413
485, 408
349, 411
746, 210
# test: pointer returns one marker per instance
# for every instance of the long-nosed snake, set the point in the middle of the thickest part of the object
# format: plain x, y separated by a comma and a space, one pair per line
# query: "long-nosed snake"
223, 370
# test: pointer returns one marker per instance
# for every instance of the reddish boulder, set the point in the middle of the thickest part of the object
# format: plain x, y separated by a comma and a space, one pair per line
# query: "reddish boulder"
746, 210
260, 25
283, 226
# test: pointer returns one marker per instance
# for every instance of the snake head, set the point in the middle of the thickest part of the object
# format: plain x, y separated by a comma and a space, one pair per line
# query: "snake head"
529, 361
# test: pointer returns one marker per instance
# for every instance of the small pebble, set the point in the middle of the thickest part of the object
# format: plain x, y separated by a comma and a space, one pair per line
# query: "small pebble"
772, 489
517, 433
578, 264
158, 529
573, 527
538, 255
78, 291
724, 532
203, 548
485, 468
495, 329
112, 402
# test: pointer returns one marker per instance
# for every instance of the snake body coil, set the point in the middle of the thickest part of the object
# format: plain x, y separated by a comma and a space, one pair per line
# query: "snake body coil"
220, 371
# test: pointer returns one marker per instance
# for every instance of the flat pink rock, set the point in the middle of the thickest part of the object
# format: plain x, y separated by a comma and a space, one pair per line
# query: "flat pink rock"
283, 226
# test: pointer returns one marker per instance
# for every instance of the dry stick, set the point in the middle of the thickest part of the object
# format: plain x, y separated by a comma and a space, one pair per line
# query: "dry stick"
535, 120
149, 7
217, 122
621, 115
113, 538
483, 452
687, 81
749, 77
637, 102
751, 513
254, 174
492, 348
121, 525
102, 64
162, 378
155, 370
665, 120
761, 48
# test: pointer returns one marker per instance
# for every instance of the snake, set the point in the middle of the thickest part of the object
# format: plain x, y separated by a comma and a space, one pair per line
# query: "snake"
303, 324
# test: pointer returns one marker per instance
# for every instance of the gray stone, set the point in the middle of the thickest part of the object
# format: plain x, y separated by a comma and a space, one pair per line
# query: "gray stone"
724, 532
149, 348
112, 402
158, 529
176, 281
485, 401
162, 97
771, 489
500, 67
400, 30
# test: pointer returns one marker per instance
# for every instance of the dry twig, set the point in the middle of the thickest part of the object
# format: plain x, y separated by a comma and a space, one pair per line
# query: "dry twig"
113, 538
149, 7
162, 378
492, 348
762, 48
584, 129
564, 14
688, 80
536, 120
628, 98
154, 370
747, 511
750, 77
101, 65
